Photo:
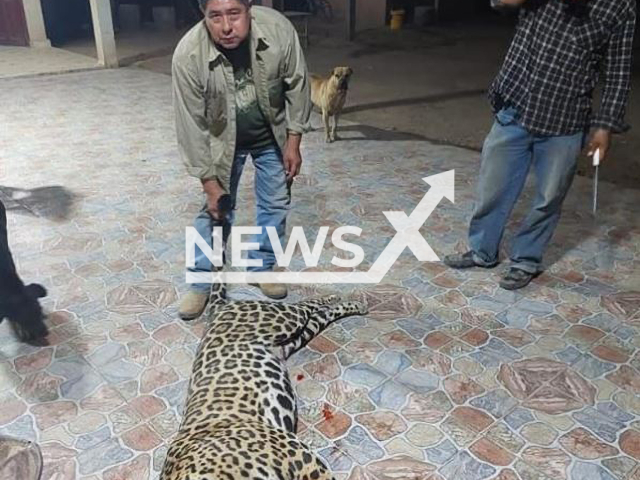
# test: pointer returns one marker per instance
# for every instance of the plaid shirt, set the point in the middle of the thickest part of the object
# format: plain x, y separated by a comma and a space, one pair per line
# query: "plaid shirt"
555, 60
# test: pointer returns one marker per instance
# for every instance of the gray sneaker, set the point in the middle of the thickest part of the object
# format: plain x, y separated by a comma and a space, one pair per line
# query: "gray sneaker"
516, 278
465, 260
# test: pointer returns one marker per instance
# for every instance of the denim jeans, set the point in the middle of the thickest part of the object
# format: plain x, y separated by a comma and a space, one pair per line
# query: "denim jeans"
273, 198
509, 152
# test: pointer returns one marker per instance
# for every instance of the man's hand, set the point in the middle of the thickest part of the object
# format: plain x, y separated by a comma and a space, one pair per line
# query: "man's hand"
292, 158
214, 191
600, 139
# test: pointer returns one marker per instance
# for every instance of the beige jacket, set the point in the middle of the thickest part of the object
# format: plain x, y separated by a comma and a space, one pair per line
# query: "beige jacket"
204, 89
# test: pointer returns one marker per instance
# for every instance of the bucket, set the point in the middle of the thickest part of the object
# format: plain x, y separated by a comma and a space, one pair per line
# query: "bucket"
397, 18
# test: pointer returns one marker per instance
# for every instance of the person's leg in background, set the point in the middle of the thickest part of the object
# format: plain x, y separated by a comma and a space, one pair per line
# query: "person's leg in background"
273, 200
554, 162
506, 159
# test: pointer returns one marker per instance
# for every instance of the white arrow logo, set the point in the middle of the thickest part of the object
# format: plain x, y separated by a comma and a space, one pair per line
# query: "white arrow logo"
407, 236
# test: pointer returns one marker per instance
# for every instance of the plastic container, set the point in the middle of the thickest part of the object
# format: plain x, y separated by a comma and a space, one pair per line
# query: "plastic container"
397, 19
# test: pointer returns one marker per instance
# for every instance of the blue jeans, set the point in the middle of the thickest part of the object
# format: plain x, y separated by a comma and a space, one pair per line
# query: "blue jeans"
273, 198
509, 152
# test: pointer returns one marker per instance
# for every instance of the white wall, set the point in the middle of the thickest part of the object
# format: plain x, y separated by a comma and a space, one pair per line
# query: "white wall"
369, 13
103, 31
35, 23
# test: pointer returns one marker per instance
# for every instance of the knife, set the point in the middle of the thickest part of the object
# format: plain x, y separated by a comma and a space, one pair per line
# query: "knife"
596, 164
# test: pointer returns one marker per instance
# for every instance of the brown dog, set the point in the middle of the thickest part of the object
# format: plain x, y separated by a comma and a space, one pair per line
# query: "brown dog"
329, 95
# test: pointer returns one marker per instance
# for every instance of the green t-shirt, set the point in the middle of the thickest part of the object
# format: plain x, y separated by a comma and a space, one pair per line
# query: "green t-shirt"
253, 130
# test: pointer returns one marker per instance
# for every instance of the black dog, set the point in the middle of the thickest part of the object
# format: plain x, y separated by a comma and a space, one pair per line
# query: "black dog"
19, 302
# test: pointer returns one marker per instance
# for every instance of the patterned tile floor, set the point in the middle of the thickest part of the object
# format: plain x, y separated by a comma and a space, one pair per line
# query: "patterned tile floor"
448, 377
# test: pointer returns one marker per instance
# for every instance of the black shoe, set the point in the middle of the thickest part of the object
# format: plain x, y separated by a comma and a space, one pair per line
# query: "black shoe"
465, 260
516, 278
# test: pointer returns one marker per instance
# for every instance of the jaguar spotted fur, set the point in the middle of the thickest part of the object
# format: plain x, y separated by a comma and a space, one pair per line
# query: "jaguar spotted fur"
240, 416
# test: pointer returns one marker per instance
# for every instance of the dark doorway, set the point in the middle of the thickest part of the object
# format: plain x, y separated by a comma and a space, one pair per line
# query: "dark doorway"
13, 26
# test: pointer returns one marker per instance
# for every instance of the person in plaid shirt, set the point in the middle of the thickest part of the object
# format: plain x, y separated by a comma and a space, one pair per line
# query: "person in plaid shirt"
542, 101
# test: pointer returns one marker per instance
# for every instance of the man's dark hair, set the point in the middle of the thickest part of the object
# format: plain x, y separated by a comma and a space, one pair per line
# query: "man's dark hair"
203, 3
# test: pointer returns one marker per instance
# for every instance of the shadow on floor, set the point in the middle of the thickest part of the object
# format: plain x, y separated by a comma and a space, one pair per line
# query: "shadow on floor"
355, 133
578, 226
53, 202
440, 97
